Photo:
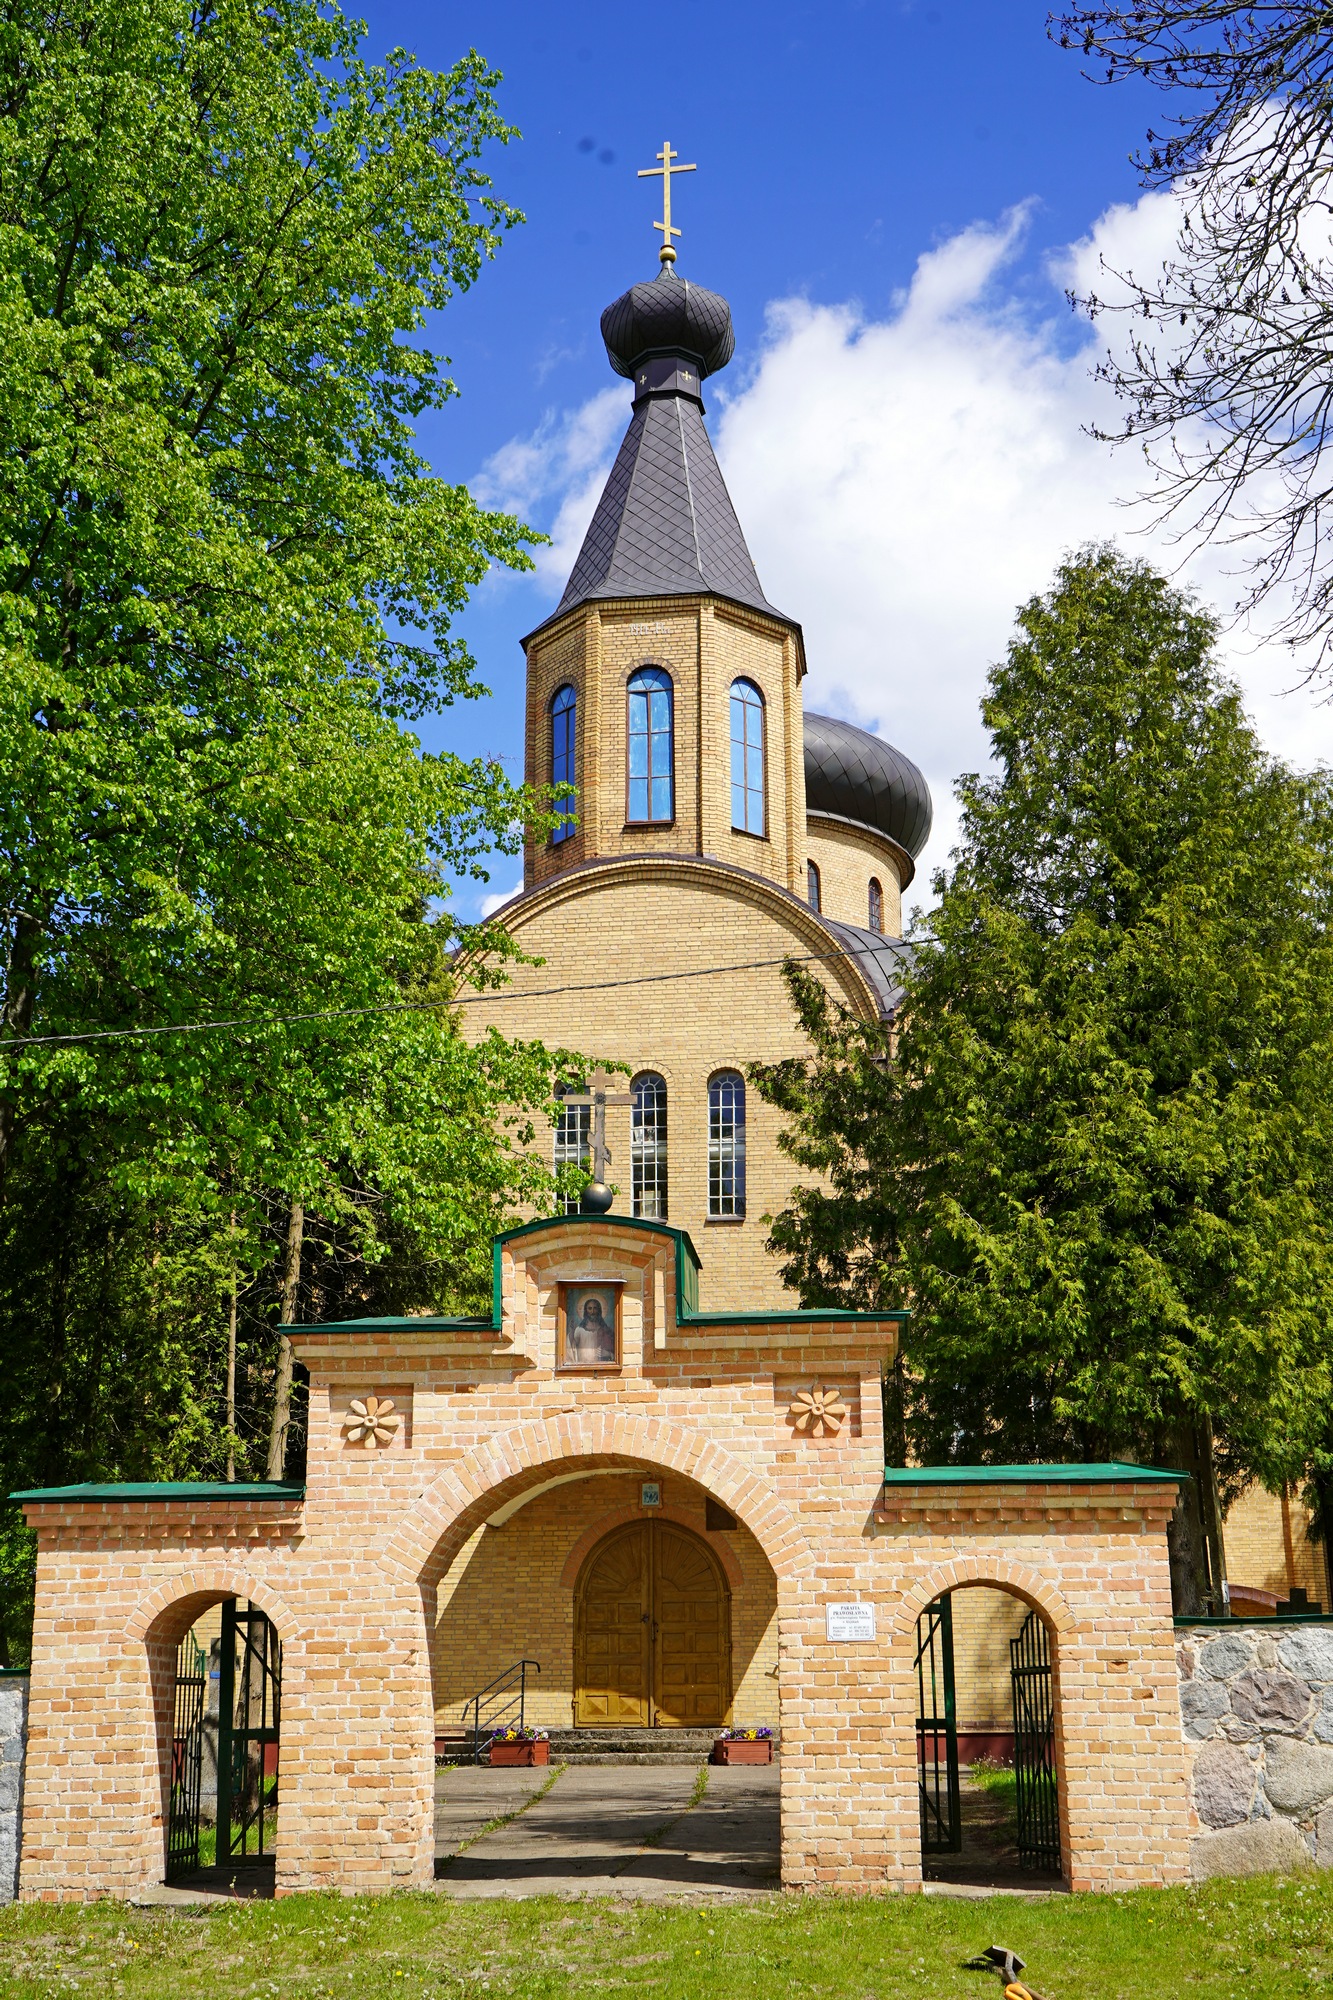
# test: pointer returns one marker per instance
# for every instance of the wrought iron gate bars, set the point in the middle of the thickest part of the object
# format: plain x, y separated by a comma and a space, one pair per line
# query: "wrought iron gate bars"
187, 1752
249, 1704
936, 1726
1034, 1746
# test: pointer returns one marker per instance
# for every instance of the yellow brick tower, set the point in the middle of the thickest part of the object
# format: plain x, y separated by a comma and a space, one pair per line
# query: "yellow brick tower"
715, 829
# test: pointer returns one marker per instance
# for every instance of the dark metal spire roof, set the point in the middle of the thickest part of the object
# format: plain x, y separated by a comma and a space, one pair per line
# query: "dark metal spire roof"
665, 525
856, 776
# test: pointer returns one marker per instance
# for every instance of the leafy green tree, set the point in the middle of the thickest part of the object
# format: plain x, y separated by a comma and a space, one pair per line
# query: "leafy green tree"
227, 583
1094, 1149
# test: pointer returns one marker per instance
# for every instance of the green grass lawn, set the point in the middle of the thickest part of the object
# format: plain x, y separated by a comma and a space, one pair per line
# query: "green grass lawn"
1256, 1938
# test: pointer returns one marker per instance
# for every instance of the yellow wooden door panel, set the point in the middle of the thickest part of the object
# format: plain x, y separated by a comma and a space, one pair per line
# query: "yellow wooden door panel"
692, 1624
613, 1646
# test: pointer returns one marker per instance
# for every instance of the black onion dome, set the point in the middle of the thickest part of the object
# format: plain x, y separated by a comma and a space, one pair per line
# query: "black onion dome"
856, 776
668, 316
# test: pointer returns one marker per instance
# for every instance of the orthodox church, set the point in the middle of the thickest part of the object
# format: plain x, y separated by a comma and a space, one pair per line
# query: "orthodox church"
647, 1490
713, 829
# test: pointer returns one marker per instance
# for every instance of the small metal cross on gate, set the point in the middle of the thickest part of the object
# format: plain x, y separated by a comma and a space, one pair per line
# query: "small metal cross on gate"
599, 1094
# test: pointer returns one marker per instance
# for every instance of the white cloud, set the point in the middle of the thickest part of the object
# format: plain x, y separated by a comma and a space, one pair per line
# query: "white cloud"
497, 899
905, 482
563, 464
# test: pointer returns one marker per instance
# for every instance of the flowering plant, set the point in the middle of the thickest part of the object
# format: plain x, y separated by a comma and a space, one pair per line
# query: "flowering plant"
746, 1735
520, 1735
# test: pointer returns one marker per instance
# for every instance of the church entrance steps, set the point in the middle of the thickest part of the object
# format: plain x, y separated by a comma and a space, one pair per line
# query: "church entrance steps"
632, 1746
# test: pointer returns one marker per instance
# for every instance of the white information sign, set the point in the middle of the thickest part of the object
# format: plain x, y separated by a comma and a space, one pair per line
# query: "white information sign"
844, 1622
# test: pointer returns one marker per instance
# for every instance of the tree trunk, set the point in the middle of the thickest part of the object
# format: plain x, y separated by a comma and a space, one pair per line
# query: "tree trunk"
1211, 1505
1186, 1542
231, 1371
282, 1388
16, 1018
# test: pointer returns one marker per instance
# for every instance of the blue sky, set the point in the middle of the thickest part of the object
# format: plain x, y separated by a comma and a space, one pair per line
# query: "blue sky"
888, 195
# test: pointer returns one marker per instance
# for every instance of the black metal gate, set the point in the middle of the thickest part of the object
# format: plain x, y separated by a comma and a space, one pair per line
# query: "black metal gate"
187, 1753
249, 1705
937, 1731
1034, 1746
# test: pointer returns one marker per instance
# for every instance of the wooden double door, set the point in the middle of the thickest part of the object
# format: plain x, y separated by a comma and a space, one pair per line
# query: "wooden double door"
652, 1636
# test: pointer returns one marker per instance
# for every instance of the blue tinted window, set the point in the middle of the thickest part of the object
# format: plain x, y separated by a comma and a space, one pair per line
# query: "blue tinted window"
876, 906
813, 885
651, 790
747, 757
564, 713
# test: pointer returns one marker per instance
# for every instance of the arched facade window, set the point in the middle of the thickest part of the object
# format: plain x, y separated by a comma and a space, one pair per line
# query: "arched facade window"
648, 1144
726, 1144
813, 886
747, 758
564, 743
651, 793
876, 905
573, 1141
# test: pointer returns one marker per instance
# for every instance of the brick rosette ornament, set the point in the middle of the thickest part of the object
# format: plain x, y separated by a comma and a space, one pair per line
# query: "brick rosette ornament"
818, 1411
370, 1421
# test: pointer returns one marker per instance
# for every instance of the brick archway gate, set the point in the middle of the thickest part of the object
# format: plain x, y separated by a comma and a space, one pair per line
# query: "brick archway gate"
533, 1456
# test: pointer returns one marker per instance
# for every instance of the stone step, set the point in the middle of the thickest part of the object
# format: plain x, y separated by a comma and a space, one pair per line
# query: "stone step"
608, 1746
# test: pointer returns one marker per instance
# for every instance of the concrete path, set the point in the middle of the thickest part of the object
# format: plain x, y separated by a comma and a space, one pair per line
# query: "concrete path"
610, 1830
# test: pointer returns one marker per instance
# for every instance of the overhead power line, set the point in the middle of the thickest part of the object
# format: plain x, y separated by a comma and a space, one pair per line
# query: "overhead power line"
243, 1022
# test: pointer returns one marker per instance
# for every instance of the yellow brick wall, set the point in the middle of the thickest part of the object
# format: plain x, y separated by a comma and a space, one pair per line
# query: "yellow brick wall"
612, 925
506, 1597
847, 857
1269, 1553
984, 1621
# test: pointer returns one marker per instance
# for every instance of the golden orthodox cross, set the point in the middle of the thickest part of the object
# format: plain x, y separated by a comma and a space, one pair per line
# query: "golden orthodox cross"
666, 254
598, 1095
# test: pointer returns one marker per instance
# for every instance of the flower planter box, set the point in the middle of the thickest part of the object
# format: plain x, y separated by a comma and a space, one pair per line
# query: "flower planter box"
520, 1753
727, 1750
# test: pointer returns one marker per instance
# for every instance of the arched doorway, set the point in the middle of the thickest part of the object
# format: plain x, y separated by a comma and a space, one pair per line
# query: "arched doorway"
223, 1701
986, 1739
652, 1631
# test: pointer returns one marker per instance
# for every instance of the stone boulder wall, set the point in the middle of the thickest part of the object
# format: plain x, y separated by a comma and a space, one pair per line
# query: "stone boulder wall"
13, 1741
1256, 1702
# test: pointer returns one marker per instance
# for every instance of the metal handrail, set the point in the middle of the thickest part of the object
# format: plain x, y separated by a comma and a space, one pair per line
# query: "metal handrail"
501, 1695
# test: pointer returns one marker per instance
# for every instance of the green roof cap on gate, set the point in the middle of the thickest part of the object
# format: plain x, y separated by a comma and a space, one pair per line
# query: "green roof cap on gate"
688, 1266
169, 1489
1054, 1474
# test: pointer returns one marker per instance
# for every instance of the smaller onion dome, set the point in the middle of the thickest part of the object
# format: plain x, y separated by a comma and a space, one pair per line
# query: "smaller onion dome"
669, 315
856, 776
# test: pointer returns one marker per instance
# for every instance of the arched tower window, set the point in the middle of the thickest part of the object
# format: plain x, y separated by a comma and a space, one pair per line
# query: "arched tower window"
812, 884
564, 725
747, 758
876, 906
648, 1144
573, 1141
651, 778
726, 1144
